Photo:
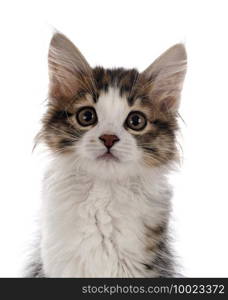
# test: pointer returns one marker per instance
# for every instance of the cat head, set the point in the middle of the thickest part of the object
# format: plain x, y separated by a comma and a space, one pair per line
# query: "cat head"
112, 120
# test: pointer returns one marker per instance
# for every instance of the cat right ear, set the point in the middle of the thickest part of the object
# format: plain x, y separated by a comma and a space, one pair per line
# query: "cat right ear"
165, 77
68, 69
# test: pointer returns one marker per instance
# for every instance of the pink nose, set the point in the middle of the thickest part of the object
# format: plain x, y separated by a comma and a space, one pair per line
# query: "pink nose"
109, 140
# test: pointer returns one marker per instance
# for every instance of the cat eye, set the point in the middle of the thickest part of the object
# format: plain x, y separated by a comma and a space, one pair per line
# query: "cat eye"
136, 120
86, 116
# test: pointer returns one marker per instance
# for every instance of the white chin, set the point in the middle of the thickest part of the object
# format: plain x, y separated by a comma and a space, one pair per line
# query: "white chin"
107, 167
108, 157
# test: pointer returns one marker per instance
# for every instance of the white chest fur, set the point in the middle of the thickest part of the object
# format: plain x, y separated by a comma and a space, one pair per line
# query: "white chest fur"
96, 228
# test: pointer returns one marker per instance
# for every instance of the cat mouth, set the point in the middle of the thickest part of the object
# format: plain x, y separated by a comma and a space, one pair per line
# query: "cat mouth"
108, 156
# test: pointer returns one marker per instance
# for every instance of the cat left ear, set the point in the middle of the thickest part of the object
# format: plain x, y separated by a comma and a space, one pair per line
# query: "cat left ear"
165, 76
68, 69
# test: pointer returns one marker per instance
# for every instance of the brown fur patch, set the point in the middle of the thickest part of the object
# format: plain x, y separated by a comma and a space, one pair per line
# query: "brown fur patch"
60, 128
153, 236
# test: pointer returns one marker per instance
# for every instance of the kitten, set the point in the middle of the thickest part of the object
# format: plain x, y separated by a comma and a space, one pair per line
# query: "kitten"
112, 135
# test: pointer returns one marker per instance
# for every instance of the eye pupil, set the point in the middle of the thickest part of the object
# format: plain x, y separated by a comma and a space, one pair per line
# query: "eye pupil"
135, 120
88, 115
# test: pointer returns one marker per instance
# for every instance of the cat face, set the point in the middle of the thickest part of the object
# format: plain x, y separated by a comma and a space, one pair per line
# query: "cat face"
112, 119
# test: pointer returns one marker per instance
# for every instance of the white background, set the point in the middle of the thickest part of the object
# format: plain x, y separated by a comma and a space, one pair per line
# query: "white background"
131, 34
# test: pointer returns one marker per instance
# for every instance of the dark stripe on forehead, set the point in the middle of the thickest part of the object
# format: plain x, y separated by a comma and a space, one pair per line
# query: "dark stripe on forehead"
123, 79
128, 83
99, 76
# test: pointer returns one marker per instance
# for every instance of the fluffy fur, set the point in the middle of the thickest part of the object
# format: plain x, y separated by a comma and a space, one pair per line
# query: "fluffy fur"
105, 213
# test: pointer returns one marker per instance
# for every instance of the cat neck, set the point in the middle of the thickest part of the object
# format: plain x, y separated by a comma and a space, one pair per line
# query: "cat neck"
84, 214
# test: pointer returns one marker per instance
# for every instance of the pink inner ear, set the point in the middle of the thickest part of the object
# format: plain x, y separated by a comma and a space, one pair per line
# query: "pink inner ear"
68, 69
65, 87
168, 104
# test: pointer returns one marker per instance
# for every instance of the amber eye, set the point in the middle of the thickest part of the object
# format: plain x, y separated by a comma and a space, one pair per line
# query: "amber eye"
86, 116
136, 120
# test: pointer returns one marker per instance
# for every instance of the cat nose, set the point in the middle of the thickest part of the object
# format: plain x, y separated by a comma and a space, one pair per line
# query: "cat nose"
109, 140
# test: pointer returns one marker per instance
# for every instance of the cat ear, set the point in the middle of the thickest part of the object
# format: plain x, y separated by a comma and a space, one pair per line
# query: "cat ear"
68, 69
166, 75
